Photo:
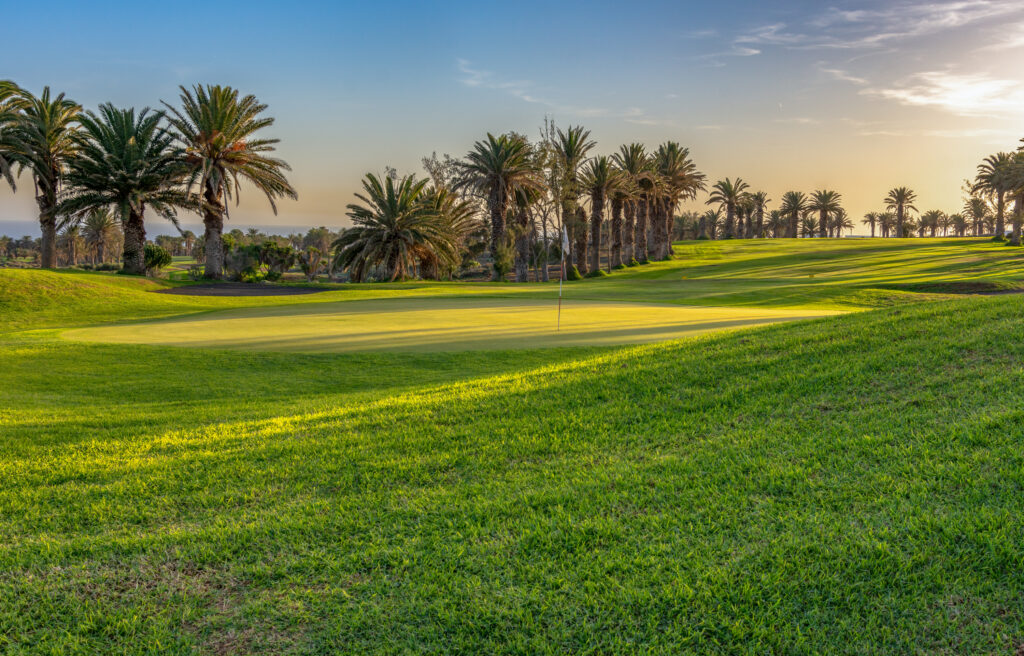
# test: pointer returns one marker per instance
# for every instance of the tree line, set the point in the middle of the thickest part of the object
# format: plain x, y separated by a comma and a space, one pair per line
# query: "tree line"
508, 201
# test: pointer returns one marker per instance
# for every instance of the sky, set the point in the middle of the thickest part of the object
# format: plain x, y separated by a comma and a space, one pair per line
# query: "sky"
858, 97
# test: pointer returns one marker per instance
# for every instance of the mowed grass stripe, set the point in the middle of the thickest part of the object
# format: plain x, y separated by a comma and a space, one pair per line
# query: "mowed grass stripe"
439, 324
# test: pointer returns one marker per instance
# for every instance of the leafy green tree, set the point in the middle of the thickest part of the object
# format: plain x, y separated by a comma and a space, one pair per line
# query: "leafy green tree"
310, 262
130, 163
494, 170
218, 131
40, 138
900, 200
155, 258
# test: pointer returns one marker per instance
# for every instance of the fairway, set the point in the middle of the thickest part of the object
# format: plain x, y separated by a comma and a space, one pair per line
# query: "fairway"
436, 324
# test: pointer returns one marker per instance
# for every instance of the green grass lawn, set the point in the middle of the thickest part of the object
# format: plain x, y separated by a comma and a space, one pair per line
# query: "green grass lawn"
849, 484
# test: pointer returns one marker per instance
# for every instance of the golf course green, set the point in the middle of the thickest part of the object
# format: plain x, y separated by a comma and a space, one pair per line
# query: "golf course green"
431, 467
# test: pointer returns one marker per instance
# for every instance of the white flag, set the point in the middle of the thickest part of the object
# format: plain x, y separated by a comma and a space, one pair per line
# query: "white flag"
565, 242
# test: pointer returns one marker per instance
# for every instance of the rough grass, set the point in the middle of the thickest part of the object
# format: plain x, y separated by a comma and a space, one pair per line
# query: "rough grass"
846, 485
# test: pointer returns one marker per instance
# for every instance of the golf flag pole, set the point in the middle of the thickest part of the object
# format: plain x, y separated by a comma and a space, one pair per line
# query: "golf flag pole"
561, 277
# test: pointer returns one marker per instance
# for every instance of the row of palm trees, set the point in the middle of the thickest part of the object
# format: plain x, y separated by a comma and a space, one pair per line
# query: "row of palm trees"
189, 157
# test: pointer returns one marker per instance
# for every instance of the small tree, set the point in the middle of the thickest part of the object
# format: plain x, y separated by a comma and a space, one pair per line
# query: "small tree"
311, 262
156, 258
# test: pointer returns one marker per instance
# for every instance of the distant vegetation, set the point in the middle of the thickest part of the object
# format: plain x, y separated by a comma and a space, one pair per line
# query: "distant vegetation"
507, 203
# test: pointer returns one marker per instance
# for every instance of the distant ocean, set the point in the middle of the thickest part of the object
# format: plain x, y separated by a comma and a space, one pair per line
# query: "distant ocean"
161, 227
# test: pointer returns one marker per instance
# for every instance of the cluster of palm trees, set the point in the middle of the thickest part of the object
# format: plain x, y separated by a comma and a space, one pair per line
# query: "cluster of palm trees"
189, 157
422, 227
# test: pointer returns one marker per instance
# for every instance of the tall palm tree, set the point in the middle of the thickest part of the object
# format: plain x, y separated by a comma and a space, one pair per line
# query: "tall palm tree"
760, 202
777, 224
218, 131
525, 199
825, 202
871, 218
680, 180
841, 222
495, 169
794, 204
571, 150
129, 163
635, 165
600, 179
395, 227
727, 195
886, 223
97, 228
1016, 188
976, 209
958, 222
71, 237
899, 200
40, 139
995, 178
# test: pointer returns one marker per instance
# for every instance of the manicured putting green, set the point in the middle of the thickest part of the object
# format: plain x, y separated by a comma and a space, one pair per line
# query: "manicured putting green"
435, 324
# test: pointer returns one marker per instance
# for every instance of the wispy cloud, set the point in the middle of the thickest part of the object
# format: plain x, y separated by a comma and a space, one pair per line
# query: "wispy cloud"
967, 95
522, 89
841, 75
871, 28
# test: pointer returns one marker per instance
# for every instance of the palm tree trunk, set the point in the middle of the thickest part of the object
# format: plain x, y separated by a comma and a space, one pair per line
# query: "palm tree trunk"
667, 212
822, 224
580, 233
522, 248
213, 220
1000, 215
596, 217
1018, 207
497, 203
134, 244
48, 245
546, 253
730, 218
899, 222
794, 220
657, 223
615, 257
629, 233
640, 239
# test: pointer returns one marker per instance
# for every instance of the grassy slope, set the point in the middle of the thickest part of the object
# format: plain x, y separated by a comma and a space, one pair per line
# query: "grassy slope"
847, 485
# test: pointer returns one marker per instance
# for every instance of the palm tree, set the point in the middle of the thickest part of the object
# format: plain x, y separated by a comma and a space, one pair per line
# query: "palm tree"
40, 138
930, 220
570, 152
395, 227
1016, 187
900, 199
841, 221
217, 130
727, 194
680, 180
97, 229
886, 223
710, 221
599, 179
958, 222
494, 170
128, 163
871, 218
794, 204
778, 224
995, 178
825, 202
635, 165
976, 209
11, 101
760, 201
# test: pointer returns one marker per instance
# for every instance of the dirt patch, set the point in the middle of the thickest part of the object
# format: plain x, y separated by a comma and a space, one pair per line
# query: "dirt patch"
241, 289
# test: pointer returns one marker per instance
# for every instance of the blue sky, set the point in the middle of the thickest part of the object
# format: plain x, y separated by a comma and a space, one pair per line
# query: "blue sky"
857, 96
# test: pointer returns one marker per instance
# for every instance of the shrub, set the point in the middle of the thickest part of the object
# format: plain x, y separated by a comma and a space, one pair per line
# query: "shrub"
597, 273
242, 263
195, 272
156, 258
572, 273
